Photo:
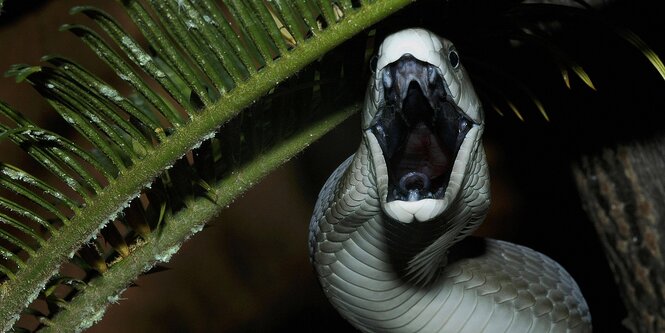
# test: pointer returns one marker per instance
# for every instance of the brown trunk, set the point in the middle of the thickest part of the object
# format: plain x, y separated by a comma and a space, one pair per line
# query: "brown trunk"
623, 192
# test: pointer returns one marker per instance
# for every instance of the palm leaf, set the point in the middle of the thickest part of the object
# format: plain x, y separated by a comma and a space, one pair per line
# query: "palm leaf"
494, 39
140, 185
543, 12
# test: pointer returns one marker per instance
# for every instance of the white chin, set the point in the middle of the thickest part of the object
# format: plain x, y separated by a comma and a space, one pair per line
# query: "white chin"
408, 211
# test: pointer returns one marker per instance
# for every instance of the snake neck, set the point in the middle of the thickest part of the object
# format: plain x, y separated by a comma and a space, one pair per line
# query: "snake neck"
350, 206
386, 276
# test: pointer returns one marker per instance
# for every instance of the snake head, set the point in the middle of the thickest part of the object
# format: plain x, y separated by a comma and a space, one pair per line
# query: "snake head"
422, 120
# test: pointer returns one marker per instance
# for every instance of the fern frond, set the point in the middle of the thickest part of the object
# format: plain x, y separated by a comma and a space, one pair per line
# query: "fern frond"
533, 12
644, 48
541, 26
158, 249
141, 188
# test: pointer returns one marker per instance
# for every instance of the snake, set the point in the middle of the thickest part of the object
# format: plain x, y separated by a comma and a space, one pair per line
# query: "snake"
391, 236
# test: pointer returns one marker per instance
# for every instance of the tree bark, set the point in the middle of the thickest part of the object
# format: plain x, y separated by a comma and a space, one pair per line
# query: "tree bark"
623, 192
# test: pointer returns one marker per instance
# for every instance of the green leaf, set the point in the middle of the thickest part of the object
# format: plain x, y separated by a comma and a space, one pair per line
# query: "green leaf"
644, 48
94, 298
203, 64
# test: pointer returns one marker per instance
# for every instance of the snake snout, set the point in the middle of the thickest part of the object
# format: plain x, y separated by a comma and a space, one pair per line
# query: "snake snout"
413, 184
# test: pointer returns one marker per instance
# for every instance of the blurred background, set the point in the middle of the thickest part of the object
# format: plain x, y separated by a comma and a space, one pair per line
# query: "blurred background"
249, 270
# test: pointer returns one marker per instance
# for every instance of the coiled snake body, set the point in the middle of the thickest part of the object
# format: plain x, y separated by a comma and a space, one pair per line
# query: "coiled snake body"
384, 226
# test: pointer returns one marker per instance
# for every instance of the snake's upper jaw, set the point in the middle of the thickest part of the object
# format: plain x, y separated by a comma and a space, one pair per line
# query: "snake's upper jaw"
419, 129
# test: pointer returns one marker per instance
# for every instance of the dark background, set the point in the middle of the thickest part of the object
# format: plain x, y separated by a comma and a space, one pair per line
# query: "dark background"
249, 271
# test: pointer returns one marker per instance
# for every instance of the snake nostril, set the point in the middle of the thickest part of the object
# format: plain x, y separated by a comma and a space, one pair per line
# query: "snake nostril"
414, 181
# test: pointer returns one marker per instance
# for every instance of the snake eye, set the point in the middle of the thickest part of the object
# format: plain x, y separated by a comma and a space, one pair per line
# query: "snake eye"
372, 63
453, 57
463, 125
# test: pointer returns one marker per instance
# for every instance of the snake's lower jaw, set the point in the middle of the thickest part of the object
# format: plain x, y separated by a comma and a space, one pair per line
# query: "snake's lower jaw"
409, 211
406, 211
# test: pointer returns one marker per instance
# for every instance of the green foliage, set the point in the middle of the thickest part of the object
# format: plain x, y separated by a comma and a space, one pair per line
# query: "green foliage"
160, 166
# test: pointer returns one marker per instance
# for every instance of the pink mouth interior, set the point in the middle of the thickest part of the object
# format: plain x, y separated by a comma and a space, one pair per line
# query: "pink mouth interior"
422, 153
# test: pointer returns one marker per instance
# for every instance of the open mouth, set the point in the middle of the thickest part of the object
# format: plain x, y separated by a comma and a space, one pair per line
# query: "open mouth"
419, 128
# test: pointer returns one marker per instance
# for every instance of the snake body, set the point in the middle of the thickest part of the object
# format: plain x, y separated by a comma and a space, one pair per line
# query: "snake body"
388, 237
